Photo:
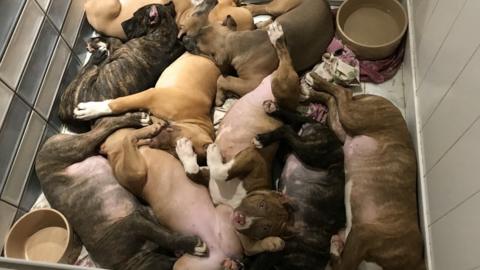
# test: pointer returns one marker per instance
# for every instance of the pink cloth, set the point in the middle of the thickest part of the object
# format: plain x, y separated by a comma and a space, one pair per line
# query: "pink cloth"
377, 71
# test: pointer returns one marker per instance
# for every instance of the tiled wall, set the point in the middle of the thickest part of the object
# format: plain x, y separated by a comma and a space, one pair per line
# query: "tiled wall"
41, 49
448, 92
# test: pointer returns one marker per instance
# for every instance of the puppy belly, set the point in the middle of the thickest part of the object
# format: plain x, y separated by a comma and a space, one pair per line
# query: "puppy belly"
96, 189
229, 192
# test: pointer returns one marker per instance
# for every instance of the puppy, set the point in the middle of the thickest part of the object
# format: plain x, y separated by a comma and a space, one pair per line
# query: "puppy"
308, 31
245, 169
380, 189
117, 230
117, 69
313, 180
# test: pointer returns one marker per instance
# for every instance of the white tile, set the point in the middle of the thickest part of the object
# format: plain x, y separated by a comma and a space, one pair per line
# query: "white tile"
456, 237
7, 214
13, 189
21, 43
422, 10
52, 79
73, 21
5, 97
456, 176
44, 3
435, 32
452, 58
456, 112
392, 90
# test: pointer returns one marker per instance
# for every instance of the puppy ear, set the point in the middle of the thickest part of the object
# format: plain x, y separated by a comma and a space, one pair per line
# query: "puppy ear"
205, 7
287, 202
132, 28
288, 231
230, 23
170, 8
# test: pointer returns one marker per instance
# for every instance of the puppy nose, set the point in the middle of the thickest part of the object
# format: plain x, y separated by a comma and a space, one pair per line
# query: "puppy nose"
240, 219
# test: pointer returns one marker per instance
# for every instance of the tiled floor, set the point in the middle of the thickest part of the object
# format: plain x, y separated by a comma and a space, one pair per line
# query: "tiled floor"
392, 89
40, 52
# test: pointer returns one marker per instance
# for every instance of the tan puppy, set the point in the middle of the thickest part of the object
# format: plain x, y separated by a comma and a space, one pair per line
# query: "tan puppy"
106, 16
178, 203
183, 96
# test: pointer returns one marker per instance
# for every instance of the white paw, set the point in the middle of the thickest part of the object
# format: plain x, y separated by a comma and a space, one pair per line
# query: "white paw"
336, 245
273, 243
218, 170
274, 31
201, 249
257, 143
91, 110
145, 120
187, 156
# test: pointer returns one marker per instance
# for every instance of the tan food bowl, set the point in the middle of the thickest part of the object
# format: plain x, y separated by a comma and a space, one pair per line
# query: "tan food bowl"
372, 29
43, 235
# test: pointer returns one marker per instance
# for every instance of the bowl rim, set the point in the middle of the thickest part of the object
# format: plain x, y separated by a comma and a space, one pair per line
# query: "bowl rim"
67, 226
393, 41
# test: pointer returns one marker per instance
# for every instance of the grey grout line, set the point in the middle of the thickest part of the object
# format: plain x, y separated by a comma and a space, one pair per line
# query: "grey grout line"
9, 203
455, 207
424, 124
453, 144
428, 19
441, 46
9, 37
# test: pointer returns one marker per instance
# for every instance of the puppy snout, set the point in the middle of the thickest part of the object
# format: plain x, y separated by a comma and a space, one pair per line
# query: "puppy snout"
189, 43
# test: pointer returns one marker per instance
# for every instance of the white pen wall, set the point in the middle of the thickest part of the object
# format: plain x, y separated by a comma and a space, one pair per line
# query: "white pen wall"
446, 68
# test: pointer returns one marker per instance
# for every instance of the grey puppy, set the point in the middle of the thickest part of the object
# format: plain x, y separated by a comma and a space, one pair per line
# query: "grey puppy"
117, 230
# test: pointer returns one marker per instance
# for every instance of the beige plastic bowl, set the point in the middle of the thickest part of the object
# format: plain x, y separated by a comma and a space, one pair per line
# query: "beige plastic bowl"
43, 235
373, 29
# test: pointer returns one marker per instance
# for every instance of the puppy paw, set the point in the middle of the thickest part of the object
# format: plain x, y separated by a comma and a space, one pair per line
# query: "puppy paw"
187, 156
201, 249
91, 110
274, 31
273, 244
270, 106
220, 97
147, 132
305, 90
145, 120
336, 245
232, 264
218, 170
190, 244
257, 142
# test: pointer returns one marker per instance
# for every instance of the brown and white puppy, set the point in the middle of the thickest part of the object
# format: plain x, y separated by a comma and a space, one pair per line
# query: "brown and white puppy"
117, 69
308, 27
118, 231
380, 189
106, 16
246, 169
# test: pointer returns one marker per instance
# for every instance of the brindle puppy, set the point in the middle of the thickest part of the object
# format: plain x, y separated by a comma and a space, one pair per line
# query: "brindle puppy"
117, 69
118, 231
314, 179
